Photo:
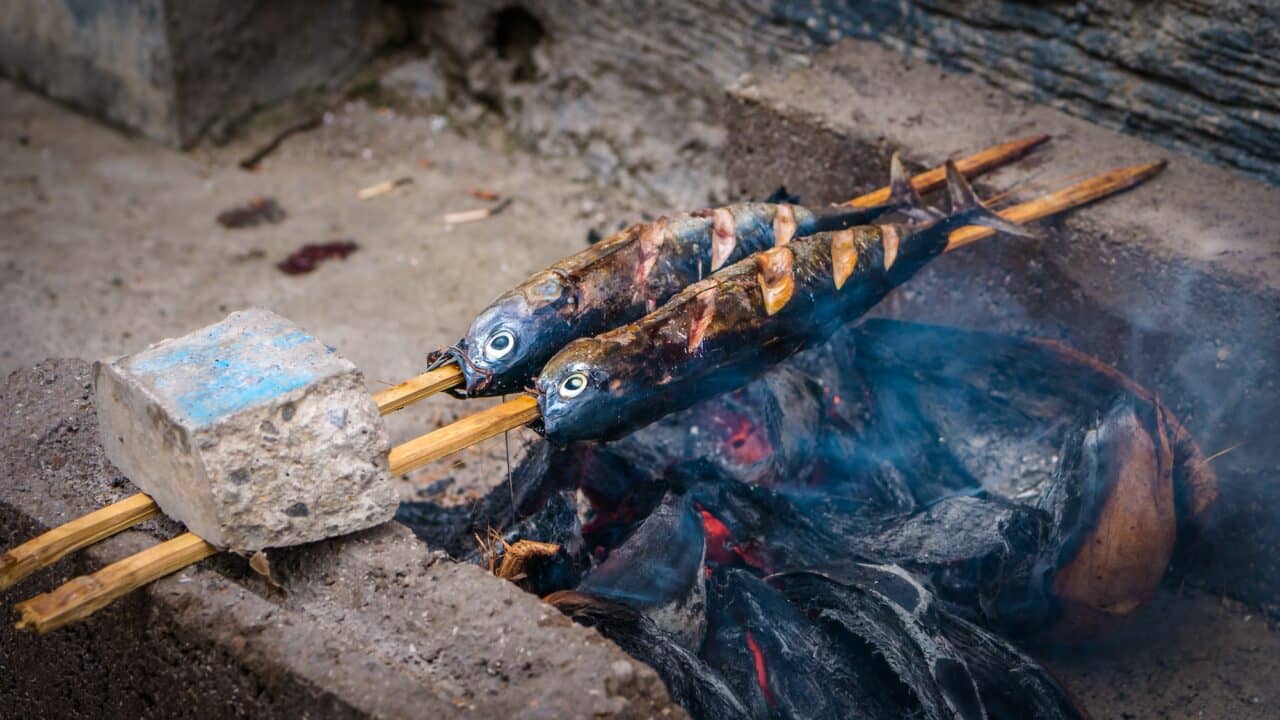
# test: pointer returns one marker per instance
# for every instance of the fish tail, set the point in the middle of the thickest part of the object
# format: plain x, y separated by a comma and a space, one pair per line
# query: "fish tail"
967, 209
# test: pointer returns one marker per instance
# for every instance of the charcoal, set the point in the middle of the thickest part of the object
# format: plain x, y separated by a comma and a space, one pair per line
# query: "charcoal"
658, 571
784, 665
1010, 683
844, 536
534, 482
896, 615
992, 409
971, 549
691, 682
763, 528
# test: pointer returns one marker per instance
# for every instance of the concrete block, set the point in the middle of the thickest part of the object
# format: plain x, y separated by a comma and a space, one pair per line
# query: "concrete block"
250, 432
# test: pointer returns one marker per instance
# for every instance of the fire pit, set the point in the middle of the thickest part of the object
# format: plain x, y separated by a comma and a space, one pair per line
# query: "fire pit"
854, 519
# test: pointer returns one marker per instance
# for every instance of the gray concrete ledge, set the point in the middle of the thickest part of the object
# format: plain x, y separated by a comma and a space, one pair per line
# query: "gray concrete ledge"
372, 625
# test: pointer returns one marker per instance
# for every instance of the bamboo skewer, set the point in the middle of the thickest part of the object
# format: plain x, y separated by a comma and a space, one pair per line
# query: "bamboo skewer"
414, 389
976, 164
80, 597
463, 433
52, 546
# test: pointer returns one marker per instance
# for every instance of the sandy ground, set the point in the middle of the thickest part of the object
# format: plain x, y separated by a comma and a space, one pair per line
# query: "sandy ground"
108, 243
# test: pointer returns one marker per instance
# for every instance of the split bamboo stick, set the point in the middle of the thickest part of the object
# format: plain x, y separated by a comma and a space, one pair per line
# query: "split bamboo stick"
80, 597
463, 433
52, 546
414, 389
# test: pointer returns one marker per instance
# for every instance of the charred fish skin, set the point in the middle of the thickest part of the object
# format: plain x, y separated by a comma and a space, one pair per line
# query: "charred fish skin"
637, 373
766, 308
627, 275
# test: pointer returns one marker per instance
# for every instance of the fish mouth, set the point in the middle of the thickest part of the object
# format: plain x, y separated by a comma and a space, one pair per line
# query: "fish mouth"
476, 379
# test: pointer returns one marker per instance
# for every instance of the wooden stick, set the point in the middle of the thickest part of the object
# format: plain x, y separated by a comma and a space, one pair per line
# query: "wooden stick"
976, 164
463, 433
80, 597
414, 389
1055, 202
52, 546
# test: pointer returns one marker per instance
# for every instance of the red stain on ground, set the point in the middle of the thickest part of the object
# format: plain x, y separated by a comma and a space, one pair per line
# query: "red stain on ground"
306, 258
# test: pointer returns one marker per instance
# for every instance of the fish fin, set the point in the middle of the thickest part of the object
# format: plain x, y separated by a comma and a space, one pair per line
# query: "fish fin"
967, 209
780, 196
903, 196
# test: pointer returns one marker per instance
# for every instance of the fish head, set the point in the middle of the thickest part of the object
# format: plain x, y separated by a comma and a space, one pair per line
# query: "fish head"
577, 397
508, 341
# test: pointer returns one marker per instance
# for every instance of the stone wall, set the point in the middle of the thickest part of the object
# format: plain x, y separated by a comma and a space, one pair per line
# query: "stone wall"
1202, 76
175, 71
635, 88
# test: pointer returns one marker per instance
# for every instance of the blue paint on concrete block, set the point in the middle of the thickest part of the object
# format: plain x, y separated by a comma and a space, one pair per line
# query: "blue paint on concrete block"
227, 368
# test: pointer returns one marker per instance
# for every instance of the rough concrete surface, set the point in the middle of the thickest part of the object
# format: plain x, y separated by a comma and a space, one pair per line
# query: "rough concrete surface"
1196, 75
250, 432
368, 625
1176, 282
636, 93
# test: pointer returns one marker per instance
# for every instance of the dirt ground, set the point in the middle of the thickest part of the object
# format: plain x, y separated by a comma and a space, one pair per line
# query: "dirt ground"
110, 243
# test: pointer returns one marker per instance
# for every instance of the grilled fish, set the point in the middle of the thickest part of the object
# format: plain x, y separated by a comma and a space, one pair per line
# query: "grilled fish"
628, 274
721, 332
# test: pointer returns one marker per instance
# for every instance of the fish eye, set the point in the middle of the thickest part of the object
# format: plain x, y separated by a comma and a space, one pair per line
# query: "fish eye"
573, 385
499, 344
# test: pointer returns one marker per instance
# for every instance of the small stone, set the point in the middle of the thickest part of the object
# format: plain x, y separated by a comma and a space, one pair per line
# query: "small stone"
622, 670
